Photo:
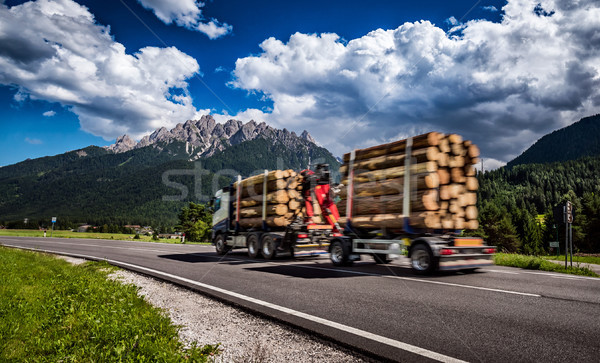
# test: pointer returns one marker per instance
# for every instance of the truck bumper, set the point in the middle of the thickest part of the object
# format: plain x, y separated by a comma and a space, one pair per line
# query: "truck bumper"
457, 262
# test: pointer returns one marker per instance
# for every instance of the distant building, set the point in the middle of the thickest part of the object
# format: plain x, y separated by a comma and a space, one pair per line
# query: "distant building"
135, 227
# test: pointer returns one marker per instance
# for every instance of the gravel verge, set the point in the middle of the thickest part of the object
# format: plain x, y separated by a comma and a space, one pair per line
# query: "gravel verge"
243, 337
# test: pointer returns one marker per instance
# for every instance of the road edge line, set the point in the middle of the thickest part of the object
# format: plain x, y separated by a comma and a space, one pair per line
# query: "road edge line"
332, 324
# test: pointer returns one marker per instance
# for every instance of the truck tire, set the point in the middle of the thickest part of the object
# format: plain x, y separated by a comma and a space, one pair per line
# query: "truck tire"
268, 248
253, 244
381, 258
422, 260
339, 254
220, 245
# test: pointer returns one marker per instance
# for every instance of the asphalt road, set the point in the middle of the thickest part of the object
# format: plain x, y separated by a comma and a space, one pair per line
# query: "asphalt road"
499, 314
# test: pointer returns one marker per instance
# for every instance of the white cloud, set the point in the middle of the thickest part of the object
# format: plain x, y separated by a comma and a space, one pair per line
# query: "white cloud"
33, 141
64, 56
49, 113
188, 14
503, 85
491, 8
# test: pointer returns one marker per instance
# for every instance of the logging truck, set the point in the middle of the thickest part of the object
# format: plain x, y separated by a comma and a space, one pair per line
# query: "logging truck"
411, 197
273, 214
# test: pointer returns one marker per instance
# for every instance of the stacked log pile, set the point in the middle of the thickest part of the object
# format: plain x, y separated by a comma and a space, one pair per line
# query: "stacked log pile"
283, 199
442, 179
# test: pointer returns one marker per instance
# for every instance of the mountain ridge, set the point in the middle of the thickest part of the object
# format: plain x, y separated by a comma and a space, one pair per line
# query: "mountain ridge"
205, 137
572, 142
126, 183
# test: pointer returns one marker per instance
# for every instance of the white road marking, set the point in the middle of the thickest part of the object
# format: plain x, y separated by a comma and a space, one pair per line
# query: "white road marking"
105, 246
359, 332
406, 278
503, 272
562, 276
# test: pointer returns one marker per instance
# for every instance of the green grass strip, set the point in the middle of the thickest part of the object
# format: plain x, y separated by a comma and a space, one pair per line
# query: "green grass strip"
52, 311
580, 259
539, 263
92, 235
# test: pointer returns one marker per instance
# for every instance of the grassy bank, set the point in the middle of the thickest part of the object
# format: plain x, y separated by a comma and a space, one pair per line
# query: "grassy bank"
93, 235
539, 263
53, 311
578, 259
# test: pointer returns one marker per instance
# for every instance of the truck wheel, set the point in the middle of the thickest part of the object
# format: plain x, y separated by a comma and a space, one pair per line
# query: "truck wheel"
253, 245
220, 245
339, 254
269, 249
422, 260
381, 258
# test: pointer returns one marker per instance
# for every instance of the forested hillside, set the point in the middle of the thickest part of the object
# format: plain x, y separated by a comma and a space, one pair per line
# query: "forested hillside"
511, 201
96, 186
570, 143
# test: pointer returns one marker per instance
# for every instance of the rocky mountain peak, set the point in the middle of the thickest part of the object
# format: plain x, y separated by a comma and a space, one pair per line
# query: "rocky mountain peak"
205, 136
122, 144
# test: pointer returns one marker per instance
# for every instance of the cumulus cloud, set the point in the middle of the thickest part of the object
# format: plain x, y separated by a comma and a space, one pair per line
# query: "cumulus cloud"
491, 8
49, 113
64, 56
33, 141
188, 14
502, 85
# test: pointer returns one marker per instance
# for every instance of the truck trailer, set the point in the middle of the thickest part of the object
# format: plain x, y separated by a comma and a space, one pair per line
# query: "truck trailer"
377, 219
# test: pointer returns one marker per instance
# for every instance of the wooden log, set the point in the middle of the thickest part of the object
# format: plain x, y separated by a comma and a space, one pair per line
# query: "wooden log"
277, 197
472, 224
459, 223
272, 221
458, 149
471, 212
423, 201
448, 222
389, 161
471, 198
456, 162
472, 150
258, 179
454, 139
444, 146
470, 170
425, 140
392, 173
451, 191
472, 184
272, 209
428, 220
294, 194
294, 205
457, 175
443, 159
444, 176
257, 189
391, 186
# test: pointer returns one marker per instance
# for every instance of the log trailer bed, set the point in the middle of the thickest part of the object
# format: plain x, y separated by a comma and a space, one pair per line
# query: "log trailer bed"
433, 170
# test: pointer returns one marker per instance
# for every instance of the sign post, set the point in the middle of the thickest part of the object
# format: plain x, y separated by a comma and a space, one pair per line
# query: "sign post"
53, 221
568, 217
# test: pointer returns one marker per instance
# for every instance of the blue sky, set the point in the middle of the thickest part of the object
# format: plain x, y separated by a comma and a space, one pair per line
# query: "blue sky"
352, 73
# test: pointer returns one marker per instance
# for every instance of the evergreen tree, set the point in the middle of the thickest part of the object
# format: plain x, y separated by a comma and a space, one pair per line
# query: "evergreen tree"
195, 221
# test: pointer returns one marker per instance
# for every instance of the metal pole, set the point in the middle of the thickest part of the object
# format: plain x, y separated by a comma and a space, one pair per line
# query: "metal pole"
566, 234
571, 241
52, 231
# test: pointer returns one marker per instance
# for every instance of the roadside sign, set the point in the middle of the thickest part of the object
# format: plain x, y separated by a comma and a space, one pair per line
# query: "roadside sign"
554, 244
53, 219
569, 212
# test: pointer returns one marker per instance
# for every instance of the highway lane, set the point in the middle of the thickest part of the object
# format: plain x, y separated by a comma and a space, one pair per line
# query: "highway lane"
497, 315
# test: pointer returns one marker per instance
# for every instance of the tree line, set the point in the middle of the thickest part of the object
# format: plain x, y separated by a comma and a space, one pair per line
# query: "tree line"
515, 205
